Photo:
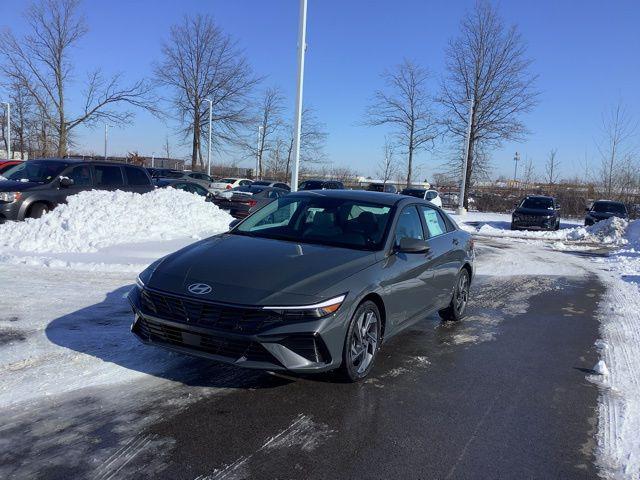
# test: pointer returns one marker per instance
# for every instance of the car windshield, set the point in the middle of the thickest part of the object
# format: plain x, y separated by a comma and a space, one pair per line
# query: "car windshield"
264, 183
537, 203
609, 207
326, 221
311, 185
414, 192
35, 171
227, 180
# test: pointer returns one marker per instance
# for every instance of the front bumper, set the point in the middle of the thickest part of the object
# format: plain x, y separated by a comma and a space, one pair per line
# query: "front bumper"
249, 339
10, 211
540, 223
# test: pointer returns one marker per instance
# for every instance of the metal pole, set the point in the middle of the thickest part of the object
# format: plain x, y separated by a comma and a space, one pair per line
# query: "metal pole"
302, 46
463, 183
257, 174
8, 114
106, 135
153, 163
516, 159
209, 145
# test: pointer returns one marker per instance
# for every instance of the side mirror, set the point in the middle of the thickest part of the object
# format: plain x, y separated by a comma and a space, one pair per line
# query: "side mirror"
208, 197
412, 245
66, 182
234, 223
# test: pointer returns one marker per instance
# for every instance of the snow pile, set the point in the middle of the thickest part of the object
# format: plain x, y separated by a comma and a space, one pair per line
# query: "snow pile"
606, 232
618, 452
98, 219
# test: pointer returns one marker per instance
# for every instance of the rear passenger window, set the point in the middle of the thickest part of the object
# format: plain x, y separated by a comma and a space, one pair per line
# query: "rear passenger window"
435, 223
108, 176
136, 176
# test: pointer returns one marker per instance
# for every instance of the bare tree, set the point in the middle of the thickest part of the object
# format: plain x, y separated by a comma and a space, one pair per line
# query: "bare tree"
388, 167
406, 106
41, 63
487, 66
528, 174
551, 167
268, 122
199, 63
618, 128
312, 140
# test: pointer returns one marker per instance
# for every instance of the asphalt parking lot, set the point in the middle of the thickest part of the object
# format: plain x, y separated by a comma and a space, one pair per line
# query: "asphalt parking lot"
502, 394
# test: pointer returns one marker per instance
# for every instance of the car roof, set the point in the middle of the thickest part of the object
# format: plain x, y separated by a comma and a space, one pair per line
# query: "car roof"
169, 181
546, 197
358, 195
609, 201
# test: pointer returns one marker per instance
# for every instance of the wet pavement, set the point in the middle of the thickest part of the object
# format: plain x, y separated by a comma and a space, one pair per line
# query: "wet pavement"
502, 394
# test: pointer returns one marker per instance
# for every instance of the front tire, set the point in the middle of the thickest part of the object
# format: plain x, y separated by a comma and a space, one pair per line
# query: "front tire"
362, 342
455, 311
38, 210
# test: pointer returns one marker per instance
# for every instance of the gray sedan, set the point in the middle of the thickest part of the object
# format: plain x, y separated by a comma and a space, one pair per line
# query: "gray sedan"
330, 276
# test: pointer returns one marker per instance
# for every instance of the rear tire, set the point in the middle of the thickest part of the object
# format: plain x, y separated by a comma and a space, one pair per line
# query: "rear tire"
38, 210
455, 311
362, 342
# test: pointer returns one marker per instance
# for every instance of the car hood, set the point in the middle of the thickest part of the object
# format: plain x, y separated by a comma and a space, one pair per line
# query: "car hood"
604, 215
13, 186
256, 271
539, 212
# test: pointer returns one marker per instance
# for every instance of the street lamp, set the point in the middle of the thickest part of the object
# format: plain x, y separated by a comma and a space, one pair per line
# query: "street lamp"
106, 136
153, 164
260, 130
302, 46
516, 159
8, 112
209, 144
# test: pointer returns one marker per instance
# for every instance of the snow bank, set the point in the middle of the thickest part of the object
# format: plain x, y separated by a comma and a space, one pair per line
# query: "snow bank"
98, 219
608, 232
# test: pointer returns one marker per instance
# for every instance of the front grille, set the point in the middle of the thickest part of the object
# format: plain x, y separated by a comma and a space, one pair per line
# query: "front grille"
210, 315
212, 344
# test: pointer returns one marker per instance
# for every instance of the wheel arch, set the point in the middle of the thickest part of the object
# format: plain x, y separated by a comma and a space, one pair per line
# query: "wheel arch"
377, 299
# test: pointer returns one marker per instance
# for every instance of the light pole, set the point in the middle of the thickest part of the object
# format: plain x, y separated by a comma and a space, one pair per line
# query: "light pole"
8, 130
516, 159
257, 174
467, 148
302, 46
209, 144
153, 163
106, 137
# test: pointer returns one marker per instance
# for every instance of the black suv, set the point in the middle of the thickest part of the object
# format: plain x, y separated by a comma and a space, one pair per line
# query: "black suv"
603, 209
34, 187
536, 212
321, 185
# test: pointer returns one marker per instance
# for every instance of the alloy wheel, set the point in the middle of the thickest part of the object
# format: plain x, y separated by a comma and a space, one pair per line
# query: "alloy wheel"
364, 341
462, 294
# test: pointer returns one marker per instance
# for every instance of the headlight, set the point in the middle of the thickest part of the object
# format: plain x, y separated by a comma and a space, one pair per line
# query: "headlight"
309, 312
146, 274
10, 197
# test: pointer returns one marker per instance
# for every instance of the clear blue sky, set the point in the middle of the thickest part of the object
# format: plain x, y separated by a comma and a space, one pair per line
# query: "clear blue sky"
586, 54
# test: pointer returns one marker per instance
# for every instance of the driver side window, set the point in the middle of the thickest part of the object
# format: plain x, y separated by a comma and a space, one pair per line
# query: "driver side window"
409, 225
81, 176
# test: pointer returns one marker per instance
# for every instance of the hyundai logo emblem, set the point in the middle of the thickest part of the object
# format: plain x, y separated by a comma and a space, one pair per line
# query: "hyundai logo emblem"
199, 288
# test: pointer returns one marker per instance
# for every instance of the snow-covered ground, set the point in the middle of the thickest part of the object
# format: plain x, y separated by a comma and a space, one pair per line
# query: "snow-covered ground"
63, 320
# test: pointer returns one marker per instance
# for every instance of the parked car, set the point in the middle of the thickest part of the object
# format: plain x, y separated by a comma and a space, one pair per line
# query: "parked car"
222, 198
7, 164
382, 187
34, 187
229, 183
536, 212
195, 177
321, 185
333, 275
603, 209
185, 185
430, 195
269, 183
244, 203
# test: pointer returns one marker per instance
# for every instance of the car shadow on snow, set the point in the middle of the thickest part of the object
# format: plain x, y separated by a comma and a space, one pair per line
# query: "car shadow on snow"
103, 331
